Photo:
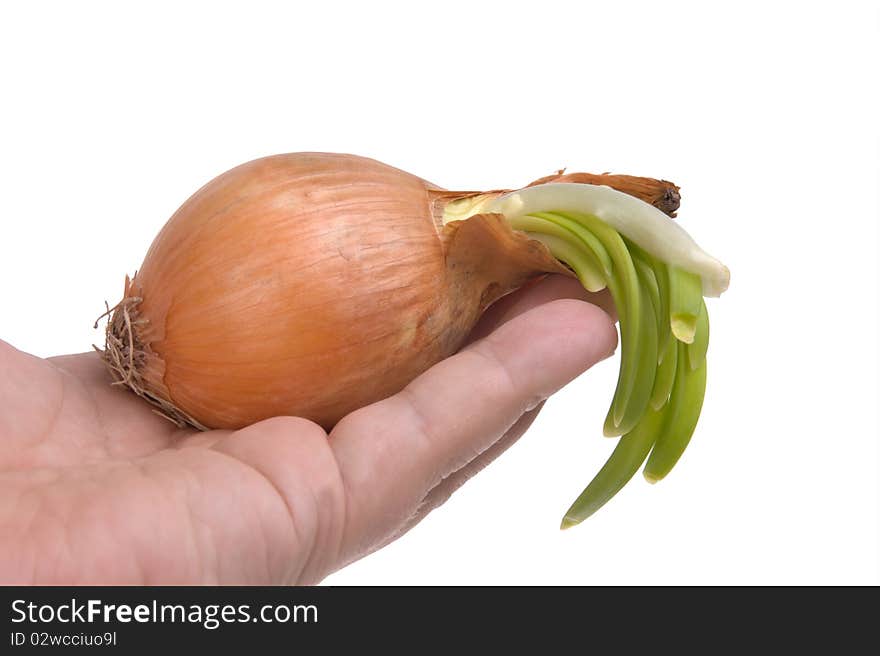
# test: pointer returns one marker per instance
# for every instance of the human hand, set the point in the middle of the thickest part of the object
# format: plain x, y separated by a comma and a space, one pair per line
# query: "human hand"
95, 488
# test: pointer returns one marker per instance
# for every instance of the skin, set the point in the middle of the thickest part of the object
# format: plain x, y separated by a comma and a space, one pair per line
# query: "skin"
97, 489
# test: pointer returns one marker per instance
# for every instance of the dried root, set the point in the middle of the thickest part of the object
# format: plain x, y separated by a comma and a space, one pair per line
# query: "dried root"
125, 356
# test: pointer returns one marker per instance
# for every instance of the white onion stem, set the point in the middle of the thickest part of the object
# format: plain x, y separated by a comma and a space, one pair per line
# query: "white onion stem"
636, 220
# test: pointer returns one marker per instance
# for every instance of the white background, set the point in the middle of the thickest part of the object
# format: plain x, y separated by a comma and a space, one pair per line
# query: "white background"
765, 113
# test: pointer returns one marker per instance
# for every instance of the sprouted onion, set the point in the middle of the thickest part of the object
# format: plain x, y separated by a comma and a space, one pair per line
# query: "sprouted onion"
312, 284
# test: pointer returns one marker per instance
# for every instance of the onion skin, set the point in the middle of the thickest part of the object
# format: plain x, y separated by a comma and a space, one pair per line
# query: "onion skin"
309, 284
662, 194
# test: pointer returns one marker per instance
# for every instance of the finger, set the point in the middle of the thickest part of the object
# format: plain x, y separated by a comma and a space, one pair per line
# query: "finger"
603, 300
442, 491
540, 291
393, 452
292, 457
449, 485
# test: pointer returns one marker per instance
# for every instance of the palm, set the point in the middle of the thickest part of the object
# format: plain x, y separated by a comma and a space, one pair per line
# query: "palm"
97, 488
112, 481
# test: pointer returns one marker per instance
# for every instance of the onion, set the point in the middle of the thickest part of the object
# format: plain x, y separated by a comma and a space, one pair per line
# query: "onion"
312, 284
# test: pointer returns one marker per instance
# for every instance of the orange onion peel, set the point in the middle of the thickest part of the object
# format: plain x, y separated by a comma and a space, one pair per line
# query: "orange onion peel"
312, 284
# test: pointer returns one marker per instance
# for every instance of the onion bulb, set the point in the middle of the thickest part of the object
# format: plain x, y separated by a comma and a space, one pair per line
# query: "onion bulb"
312, 284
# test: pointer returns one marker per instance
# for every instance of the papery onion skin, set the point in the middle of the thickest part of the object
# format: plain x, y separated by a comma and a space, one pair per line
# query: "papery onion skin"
310, 284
